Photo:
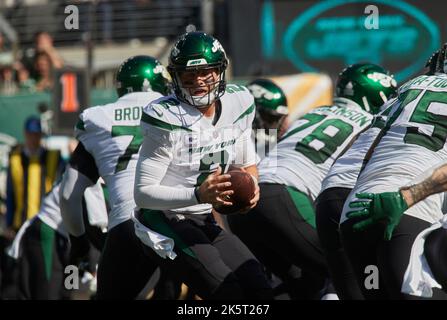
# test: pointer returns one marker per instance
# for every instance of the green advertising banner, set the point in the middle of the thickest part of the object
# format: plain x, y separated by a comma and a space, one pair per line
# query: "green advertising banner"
15, 109
325, 36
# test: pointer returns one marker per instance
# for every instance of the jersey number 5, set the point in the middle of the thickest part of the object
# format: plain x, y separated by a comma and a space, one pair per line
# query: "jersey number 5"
132, 148
430, 113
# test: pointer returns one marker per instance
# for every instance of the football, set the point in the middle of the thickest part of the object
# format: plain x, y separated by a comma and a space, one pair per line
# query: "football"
244, 189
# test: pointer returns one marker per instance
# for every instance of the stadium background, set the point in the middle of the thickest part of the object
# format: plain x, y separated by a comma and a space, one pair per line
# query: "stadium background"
300, 44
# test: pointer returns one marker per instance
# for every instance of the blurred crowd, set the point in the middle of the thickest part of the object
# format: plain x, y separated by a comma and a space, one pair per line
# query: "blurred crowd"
29, 65
32, 69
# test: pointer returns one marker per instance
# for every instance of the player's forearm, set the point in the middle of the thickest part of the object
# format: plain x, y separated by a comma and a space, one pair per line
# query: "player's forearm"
151, 168
157, 197
436, 183
71, 191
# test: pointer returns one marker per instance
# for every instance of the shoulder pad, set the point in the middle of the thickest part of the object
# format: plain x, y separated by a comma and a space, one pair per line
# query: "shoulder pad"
169, 114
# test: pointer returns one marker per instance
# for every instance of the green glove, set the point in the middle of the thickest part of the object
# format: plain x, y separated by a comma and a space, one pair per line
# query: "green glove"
385, 207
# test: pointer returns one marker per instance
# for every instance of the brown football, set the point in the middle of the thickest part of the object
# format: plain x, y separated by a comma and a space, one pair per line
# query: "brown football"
244, 189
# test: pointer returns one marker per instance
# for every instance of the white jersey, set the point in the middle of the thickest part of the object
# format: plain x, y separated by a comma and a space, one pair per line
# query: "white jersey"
308, 149
414, 141
345, 170
50, 213
264, 140
111, 134
196, 147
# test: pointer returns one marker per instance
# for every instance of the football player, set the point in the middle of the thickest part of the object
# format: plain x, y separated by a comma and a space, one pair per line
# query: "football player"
41, 245
411, 141
271, 114
190, 139
343, 174
110, 140
335, 188
291, 176
431, 244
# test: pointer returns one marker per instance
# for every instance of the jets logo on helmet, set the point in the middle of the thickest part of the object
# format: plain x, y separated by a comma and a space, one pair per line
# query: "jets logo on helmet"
217, 46
384, 79
257, 91
196, 62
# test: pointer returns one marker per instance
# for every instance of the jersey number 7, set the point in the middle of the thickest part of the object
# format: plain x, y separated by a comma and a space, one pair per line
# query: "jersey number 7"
132, 148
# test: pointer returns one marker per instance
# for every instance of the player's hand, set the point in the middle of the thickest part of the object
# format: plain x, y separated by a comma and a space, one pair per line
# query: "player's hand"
255, 199
216, 189
386, 207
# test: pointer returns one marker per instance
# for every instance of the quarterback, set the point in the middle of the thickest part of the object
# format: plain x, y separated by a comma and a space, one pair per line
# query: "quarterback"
190, 140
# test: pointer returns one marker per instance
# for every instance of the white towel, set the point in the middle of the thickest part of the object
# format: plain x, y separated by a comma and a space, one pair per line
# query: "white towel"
14, 249
96, 207
162, 245
418, 278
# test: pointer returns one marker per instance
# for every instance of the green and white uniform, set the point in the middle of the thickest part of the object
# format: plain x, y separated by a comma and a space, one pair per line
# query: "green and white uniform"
111, 134
346, 169
182, 147
308, 149
414, 141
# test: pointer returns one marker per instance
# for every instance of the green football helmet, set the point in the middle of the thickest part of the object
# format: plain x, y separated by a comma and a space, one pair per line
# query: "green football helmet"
271, 103
368, 85
195, 52
142, 73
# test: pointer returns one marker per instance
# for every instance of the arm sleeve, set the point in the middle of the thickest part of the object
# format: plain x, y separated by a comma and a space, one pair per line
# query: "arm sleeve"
82, 161
245, 150
72, 189
155, 157
80, 174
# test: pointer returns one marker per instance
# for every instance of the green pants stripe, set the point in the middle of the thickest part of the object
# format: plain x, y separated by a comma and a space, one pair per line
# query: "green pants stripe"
47, 235
155, 220
303, 204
